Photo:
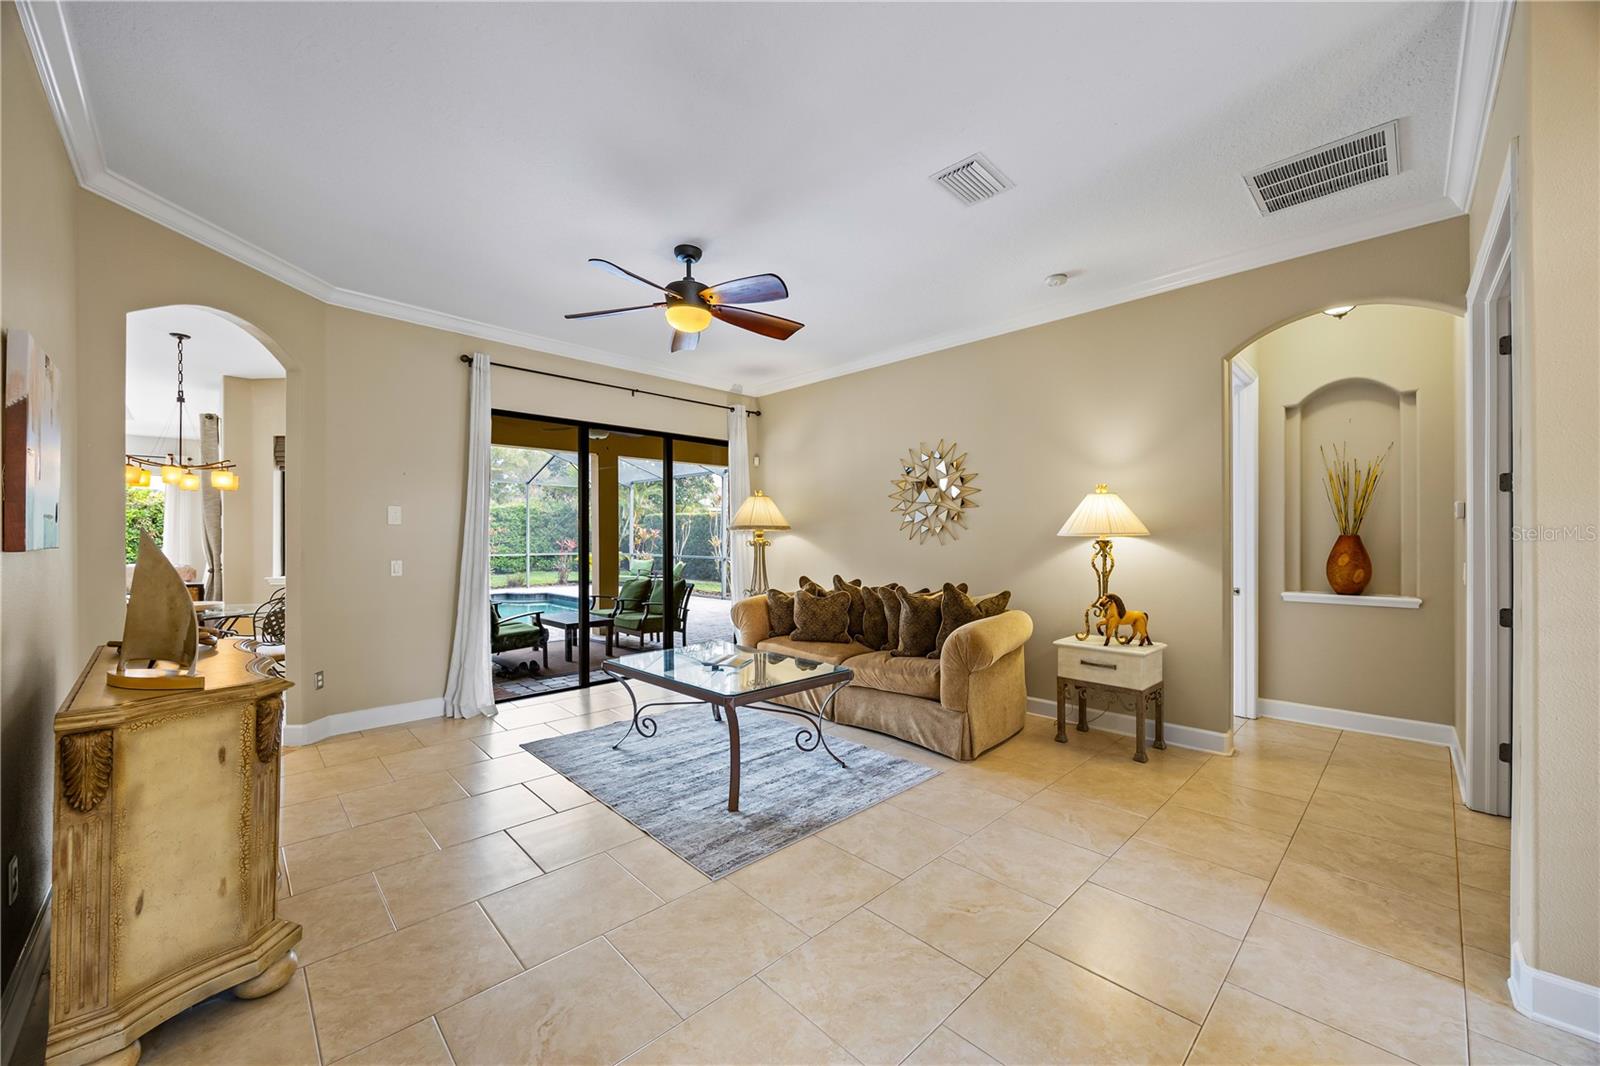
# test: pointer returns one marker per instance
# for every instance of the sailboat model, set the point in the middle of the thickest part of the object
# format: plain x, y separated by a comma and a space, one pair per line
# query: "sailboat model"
161, 628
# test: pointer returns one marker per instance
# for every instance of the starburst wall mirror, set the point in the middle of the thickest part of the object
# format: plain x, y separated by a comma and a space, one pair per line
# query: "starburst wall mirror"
933, 493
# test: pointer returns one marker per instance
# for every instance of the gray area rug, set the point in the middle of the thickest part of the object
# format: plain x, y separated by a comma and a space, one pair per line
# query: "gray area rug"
674, 785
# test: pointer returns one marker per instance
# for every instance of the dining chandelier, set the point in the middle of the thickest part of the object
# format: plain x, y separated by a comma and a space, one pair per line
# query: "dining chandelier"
176, 468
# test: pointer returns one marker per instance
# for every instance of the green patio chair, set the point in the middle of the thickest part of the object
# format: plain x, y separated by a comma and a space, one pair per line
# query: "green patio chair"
646, 618
515, 628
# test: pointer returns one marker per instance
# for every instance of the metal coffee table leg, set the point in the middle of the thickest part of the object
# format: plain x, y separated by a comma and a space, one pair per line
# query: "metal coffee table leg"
642, 723
733, 758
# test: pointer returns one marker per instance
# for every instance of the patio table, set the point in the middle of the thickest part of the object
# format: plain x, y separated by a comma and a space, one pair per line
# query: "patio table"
569, 624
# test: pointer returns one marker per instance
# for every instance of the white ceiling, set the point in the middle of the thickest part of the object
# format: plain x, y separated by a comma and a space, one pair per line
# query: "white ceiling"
457, 163
216, 348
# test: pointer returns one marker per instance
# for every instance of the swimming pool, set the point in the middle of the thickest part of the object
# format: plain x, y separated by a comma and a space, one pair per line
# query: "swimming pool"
554, 601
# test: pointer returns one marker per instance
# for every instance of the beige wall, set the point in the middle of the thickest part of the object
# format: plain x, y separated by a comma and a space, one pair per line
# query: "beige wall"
1394, 662
1133, 395
38, 660
376, 416
1548, 111
254, 410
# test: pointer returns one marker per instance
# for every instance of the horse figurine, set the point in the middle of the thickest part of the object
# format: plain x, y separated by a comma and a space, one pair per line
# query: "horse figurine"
1115, 615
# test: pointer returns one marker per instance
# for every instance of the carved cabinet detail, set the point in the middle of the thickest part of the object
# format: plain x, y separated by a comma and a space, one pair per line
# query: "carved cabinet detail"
164, 853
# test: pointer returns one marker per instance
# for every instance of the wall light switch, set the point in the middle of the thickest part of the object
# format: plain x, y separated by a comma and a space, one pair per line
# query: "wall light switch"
396, 568
1461, 508
394, 514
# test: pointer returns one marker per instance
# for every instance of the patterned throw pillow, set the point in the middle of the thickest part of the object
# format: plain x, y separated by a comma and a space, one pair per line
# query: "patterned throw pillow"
780, 613
919, 624
807, 585
956, 609
875, 621
890, 602
858, 602
824, 617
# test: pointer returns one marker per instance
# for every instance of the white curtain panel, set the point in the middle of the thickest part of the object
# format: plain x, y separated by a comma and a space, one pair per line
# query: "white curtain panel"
183, 530
469, 686
738, 492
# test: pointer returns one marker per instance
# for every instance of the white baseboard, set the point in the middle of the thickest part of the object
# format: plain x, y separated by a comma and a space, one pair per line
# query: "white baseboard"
1460, 763
1568, 1005
1358, 721
1121, 723
24, 983
367, 718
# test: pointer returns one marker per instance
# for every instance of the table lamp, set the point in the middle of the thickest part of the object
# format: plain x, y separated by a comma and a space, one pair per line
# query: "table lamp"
759, 514
1102, 515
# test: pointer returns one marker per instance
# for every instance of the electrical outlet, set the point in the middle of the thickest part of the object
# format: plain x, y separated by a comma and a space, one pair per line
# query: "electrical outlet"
316, 679
13, 881
396, 568
394, 514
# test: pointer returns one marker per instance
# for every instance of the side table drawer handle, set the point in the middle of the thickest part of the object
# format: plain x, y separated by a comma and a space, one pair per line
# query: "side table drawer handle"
1098, 666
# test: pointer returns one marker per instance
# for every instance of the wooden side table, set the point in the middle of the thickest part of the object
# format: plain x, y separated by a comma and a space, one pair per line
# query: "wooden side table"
1119, 672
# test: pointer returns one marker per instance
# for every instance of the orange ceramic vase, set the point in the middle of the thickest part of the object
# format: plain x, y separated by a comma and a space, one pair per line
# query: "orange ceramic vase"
1349, 565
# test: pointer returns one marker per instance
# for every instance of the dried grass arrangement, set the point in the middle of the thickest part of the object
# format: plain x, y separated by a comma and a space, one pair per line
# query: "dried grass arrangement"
1350, 488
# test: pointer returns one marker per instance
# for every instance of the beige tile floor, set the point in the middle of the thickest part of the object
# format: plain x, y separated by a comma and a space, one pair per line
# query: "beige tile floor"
1320, 897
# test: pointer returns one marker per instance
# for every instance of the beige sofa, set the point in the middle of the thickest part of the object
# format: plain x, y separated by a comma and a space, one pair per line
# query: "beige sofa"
972, 697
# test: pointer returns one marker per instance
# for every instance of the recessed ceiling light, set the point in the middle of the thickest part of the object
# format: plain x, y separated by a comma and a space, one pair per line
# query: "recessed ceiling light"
1055, 280
1339, 312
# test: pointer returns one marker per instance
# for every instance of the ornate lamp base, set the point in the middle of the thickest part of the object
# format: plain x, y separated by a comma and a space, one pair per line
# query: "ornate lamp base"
1102, 564
758, 570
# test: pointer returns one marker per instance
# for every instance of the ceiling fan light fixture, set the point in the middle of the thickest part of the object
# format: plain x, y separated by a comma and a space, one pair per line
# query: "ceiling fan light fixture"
691, 305
686, 317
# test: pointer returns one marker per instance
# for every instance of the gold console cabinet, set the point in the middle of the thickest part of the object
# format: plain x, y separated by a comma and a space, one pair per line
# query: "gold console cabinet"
165, 853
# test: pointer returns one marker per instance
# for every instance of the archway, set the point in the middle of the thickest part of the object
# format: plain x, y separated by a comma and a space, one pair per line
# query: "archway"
1381, 379
228, 532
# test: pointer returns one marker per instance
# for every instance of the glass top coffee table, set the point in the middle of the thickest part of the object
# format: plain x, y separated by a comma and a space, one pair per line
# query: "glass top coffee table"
728, 677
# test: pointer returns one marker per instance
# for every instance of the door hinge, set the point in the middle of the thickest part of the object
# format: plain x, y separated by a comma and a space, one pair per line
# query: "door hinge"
1505, 752
1505, 482
1505, 618
1505, 344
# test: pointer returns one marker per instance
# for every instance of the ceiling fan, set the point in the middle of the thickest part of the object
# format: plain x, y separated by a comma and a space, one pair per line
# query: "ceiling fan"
690, 306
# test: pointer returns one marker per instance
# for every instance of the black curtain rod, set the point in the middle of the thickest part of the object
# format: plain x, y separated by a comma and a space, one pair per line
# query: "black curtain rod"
609, 385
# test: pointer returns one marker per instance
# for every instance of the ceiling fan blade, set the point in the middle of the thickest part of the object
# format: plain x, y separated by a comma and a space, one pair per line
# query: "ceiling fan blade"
684, 342
612, 268
779, 329
757, 288
615, 311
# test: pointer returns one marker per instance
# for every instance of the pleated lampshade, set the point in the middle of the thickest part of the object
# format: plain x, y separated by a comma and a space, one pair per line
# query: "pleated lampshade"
1103, 515
759, 512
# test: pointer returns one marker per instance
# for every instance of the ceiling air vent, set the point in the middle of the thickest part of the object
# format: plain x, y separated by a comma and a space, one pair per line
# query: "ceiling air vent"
1324, 171
972, 180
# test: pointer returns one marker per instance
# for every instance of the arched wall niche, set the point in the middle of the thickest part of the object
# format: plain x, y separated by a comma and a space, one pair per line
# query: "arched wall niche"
1365, 419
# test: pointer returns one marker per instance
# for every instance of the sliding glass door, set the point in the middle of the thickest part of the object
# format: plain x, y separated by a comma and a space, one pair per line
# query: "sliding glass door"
701, 540
534, 537
605, 540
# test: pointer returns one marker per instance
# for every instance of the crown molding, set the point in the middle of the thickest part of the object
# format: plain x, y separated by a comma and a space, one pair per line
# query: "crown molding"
45, 26
1485, 29
1280, 251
